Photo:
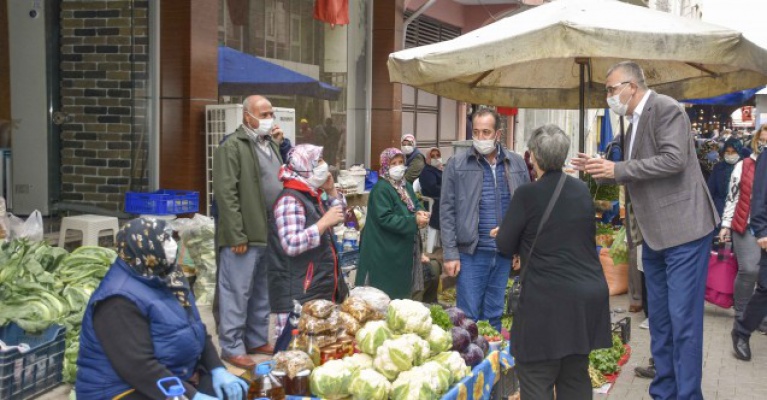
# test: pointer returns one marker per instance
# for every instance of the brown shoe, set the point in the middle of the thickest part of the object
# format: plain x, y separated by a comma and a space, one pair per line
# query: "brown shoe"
267, 349
635, 308
240, 361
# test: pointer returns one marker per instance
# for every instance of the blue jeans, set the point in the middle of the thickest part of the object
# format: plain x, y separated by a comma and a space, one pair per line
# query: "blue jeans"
676, 285
481, 286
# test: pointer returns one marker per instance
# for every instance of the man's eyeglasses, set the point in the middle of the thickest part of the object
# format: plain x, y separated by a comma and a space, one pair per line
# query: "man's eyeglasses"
611, 89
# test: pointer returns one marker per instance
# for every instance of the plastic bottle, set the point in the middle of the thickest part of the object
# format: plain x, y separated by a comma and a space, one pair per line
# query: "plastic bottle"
350, 237
265, 384
295, 343
175, 389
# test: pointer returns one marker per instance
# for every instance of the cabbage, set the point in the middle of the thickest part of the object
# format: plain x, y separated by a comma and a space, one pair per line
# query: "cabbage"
408, 316
483, 344
359, 361
473, 355
421, 348
454, 363
372, 336
471, 327
331, 380
461, 339
369, 385
413, 385
456, 315
439, 340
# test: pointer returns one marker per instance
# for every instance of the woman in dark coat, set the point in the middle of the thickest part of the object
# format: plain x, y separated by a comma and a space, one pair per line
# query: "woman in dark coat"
431, 183
564, 306
390, 247
719, 179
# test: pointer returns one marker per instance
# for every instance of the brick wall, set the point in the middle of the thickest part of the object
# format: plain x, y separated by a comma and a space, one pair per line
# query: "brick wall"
104, 53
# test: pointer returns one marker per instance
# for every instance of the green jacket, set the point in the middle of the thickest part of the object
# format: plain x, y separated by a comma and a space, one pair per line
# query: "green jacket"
242, 213
388, 240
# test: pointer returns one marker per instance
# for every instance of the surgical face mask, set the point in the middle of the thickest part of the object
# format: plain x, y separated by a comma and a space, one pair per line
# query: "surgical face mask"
397, 172
484, 147
171, 248
436, 162
319, 176
265, 126
408, 149
614, 102
731, 159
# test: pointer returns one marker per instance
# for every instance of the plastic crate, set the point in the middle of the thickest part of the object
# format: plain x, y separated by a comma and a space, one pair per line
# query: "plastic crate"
162, 202
23, 376
348, 258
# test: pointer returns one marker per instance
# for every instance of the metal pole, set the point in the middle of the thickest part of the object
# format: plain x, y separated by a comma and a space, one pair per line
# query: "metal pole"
582, 110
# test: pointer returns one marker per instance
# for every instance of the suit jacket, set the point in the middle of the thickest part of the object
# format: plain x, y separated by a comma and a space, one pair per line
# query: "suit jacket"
670, 201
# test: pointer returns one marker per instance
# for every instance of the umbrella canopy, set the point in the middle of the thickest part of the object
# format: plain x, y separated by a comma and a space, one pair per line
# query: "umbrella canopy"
606, 133
528, 60
241, 74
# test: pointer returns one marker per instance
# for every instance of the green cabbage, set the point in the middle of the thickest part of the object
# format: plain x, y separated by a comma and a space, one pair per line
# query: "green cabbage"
372, 336
439, 340
368, 384
331, 380
408, 316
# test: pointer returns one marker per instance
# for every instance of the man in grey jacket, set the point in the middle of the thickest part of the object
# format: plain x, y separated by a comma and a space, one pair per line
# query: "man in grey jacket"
477, 186
671, 213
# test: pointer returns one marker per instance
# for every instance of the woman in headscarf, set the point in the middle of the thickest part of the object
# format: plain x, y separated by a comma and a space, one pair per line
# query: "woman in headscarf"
303, 264
721, 172
141, 325
414, 160
431, 183
391, 247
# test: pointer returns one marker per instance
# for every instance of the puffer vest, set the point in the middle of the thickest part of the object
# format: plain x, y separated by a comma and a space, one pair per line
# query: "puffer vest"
313, 274
178, 334
743, 208
493, 203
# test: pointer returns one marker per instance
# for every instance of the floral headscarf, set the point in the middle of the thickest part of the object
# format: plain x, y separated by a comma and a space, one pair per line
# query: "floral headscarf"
301, 161
400, 187
140, 245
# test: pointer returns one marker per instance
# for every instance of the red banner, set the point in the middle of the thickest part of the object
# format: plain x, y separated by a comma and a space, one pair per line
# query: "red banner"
333, 12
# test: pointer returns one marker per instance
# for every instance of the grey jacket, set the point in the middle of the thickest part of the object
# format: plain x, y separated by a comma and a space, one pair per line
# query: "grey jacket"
459, 200
669, 198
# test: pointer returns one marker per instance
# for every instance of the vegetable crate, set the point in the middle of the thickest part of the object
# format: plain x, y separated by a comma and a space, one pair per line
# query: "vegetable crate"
24, 375
162, 202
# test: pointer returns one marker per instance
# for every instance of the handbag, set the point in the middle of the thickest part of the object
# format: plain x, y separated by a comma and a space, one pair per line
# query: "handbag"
516, 287
722, 269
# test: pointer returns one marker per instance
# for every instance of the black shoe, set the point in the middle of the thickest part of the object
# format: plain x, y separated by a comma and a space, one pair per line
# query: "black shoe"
645, 372
740, 346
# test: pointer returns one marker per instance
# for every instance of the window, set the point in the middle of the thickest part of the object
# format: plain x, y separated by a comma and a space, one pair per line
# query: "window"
432, 119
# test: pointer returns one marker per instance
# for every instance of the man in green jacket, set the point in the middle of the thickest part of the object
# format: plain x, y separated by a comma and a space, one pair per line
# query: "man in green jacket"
246, 185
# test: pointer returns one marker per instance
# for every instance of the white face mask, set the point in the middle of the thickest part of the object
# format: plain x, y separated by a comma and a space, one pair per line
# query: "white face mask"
436, 162
264, 126
731, 159
484, 147
408, 149
397, 173
319, 176
171, 248
614, 102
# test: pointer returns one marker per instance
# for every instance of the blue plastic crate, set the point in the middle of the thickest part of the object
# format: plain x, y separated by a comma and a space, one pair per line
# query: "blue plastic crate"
26, 375
162, 202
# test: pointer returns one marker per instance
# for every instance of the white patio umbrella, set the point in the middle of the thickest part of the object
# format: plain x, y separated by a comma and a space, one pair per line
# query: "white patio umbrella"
540, 58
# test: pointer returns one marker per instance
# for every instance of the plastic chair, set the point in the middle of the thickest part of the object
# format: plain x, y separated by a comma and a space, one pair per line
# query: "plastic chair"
91, 227
432, 235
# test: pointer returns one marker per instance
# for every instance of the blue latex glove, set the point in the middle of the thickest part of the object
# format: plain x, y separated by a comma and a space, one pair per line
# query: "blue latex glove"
202, 396
225, 382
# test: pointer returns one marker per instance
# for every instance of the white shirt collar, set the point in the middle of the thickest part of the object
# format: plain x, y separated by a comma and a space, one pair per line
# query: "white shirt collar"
640, 108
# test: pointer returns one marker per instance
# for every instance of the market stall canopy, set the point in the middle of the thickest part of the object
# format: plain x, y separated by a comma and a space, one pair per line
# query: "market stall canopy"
241, 74
739, 98
528, 60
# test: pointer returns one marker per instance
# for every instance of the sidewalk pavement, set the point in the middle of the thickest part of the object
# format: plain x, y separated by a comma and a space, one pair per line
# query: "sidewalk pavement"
724, 377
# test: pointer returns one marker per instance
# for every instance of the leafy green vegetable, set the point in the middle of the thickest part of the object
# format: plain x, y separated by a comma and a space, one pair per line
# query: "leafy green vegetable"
487, 330
440, 318
619, 250
606, 360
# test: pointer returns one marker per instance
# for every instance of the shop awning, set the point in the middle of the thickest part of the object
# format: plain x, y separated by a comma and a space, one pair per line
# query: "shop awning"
241, 74
738, 98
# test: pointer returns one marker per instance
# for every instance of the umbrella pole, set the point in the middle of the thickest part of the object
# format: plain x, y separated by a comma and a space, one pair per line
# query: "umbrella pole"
582, 107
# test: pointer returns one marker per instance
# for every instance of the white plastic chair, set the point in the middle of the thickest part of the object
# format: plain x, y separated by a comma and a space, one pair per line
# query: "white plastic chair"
92, 226
432, 235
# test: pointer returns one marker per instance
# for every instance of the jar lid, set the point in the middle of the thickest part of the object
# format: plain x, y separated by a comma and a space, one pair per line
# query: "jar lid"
303, 373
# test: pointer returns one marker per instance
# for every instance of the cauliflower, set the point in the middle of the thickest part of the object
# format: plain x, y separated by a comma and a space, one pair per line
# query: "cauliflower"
372, 336
421, 348
384, 364
369, 385
331, 380
439, 376
439, 340
359, 362
413, 385
454, 363
408, 316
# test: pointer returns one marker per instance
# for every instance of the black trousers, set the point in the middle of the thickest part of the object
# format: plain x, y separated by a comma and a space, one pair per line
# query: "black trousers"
756, 310
569, 376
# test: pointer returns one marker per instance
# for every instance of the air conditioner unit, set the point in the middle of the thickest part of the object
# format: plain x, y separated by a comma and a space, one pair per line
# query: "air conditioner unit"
220, 120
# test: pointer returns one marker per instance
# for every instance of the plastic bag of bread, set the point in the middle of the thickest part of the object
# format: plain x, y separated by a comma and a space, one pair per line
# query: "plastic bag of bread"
315, 326
323, 340
292, 362
357, 308
349, 323
318, 308
377, 299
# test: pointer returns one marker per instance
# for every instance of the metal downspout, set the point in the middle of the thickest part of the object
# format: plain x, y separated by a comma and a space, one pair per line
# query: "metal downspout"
412, 18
